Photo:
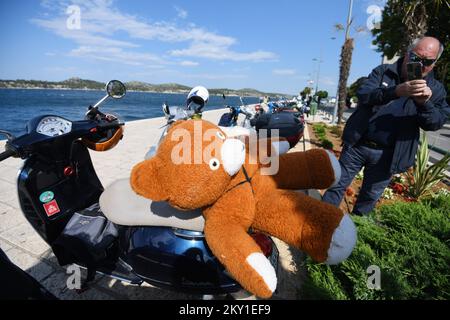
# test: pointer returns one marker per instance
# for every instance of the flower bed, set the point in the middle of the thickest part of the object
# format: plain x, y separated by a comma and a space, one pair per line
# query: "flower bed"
397, 189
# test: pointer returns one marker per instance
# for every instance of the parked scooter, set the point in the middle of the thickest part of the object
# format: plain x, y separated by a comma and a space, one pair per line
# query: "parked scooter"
230, 119
59, 193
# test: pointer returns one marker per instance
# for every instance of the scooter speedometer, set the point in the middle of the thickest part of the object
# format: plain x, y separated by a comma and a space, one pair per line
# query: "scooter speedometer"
53, 126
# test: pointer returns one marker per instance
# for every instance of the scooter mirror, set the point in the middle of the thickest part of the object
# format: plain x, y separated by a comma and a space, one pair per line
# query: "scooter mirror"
116, 89
166, 110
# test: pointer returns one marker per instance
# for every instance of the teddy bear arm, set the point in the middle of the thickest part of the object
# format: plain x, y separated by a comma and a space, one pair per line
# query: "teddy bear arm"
316, 168
319, 229
238, 252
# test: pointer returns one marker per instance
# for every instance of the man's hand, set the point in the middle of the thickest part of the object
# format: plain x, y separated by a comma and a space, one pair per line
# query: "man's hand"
413, 88
421, 98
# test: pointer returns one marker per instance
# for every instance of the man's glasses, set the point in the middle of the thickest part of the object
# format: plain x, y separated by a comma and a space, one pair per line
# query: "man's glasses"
425, 62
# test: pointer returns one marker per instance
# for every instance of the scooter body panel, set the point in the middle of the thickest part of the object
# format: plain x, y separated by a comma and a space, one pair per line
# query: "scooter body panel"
48, 196
176, 259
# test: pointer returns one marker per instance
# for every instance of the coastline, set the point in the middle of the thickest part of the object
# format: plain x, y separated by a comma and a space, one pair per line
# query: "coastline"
102, 90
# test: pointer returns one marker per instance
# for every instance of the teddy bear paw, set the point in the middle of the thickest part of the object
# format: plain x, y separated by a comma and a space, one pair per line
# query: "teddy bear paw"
336, 167
342, 241
263, 267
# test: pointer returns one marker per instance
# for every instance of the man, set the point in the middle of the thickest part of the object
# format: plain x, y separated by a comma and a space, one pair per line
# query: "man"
382, 134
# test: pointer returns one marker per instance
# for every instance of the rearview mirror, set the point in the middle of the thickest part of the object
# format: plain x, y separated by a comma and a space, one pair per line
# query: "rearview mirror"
116, 89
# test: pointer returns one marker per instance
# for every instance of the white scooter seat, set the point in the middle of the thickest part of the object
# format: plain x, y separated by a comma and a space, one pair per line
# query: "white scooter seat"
121, 205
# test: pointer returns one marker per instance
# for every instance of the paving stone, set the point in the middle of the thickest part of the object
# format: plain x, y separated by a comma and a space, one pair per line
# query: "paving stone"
4, 207
8, 173
5, 246
10, 218
288, 271
142, 292
26, 237
7, 186
57, 285
32, 265
9, 196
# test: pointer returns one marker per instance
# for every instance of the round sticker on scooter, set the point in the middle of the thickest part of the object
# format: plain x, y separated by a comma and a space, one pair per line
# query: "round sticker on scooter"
46, 196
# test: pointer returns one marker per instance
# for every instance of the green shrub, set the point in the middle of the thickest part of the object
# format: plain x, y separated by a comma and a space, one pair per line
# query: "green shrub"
336, 130
319, 129
424, 176
410, 244
327, 144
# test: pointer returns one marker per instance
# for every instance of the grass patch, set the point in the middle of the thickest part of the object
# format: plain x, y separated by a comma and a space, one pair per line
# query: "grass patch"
327, 144
321, 134
409, 242
336, 130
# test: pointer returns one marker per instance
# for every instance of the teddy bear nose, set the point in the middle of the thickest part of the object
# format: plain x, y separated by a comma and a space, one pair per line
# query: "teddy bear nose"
233, 155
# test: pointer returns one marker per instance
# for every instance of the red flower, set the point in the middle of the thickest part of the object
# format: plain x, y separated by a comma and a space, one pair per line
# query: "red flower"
398, 188
350, 192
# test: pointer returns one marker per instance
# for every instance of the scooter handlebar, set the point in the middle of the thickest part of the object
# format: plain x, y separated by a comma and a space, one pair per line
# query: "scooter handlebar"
6, 154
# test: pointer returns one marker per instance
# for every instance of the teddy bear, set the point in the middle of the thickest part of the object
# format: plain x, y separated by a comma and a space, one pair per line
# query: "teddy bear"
197, 166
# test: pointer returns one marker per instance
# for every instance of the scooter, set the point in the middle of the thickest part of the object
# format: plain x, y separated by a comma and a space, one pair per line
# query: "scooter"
58, 184
230, 119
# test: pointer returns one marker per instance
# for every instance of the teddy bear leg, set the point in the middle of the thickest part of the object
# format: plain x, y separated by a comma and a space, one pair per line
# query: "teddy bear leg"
319, 229
241, 256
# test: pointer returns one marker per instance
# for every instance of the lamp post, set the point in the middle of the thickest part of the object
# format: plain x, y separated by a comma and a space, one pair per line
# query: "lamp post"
319, 61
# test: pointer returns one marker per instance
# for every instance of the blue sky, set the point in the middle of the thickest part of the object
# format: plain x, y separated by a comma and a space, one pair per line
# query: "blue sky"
266, 45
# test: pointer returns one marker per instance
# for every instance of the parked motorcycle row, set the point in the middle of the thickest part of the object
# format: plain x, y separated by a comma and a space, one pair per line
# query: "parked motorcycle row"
284, 115
64, 201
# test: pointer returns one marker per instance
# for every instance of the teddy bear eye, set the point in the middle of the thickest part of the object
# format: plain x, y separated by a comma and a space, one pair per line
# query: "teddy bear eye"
220, 135
214, 164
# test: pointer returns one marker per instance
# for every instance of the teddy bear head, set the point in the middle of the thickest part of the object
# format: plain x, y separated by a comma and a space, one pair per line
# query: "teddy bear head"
192, 168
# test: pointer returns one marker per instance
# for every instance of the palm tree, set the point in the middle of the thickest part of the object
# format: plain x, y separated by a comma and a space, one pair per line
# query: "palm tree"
416, 17
345, 63
344, 70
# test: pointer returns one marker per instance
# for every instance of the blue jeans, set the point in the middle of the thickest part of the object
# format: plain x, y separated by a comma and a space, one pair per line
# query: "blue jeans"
377, 175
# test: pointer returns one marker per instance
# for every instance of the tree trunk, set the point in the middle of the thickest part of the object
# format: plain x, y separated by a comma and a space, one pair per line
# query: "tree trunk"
346, 62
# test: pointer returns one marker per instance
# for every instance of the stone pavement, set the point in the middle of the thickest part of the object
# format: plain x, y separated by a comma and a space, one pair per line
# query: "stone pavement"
26, 249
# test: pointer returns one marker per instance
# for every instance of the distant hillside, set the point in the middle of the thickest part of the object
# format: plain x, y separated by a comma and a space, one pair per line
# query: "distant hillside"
77, 83
72, 83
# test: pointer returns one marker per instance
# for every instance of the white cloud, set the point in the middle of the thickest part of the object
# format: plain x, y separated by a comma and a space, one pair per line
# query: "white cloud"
181, 13
218, 76
217, 51
187, 63
327, 81
284, 72
117, 55
100, 21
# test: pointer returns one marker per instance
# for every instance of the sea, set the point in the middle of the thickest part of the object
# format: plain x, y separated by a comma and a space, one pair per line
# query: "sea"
18, 106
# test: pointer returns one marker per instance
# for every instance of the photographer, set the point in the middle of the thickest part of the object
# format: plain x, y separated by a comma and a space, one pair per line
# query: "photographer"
382, 135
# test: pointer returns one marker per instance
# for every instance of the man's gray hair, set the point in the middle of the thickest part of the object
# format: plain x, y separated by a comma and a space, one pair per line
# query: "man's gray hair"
413, 45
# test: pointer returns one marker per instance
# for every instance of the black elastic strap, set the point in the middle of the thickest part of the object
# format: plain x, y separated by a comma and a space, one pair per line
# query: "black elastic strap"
247, 179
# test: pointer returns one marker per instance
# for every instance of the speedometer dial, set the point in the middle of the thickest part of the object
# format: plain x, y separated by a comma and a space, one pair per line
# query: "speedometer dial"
54, 126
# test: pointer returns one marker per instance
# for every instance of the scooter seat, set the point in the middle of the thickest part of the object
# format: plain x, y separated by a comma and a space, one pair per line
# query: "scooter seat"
121, 205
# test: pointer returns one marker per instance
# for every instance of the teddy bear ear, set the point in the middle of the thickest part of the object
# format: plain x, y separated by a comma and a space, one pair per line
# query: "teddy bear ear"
146, 180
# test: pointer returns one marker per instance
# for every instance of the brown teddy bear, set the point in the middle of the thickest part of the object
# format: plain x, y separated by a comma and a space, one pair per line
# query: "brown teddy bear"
198, 166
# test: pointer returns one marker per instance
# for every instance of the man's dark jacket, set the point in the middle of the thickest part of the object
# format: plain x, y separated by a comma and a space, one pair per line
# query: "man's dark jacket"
379, 90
